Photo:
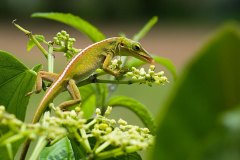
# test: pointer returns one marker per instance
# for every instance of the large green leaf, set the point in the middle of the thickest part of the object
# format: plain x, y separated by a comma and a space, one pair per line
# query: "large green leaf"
139, 109
190, 126
16, 80
88, 104
74, 21
60, 150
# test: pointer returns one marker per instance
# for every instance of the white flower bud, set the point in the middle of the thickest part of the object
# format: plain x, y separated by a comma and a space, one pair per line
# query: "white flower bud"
108, 111
122, 122
152, 67
98, 111
160, 73
142, 72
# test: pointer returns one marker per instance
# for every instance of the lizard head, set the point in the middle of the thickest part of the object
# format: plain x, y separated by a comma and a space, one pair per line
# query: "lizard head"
128, 47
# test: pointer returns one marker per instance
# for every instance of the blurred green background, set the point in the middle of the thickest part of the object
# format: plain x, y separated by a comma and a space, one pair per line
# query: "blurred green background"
184, 26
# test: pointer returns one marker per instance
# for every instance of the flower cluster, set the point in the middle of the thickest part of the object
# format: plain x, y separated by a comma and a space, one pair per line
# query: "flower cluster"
121, 136
115, 64
111, 136
63, 40
22, 130
149, 77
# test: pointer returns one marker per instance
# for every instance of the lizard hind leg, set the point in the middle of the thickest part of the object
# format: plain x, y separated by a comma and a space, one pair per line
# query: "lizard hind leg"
43, 76
75, 94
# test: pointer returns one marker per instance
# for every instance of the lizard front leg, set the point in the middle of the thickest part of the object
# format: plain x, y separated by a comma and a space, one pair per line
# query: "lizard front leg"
75, 94
108, 70
43, 75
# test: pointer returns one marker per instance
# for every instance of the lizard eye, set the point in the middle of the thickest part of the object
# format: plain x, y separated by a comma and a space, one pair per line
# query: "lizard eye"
136, 48
121, 44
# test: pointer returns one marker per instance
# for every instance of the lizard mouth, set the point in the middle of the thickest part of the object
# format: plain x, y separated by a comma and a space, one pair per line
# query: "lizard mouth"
144, 56
148, 59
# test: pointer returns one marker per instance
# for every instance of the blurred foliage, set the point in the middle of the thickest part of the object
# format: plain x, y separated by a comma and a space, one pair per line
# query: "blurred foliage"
201, 118
109, 10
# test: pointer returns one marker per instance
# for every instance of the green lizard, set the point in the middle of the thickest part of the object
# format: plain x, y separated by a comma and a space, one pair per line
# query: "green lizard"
97, 55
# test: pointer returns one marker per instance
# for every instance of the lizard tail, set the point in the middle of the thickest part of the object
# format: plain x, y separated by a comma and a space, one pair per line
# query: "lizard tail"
48, 98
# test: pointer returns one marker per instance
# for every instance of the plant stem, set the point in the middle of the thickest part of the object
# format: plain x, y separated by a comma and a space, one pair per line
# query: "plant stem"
6, 136
9, 149
93, 79
85, 140
80, 140
102, 147
61, 49
91, 123
31, 36
116, 152
50, 58
12, 139
42, 142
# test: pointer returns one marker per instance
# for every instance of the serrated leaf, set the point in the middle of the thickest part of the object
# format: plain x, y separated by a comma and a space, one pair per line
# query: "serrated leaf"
136, 107
60, 150
190, 126
74, 21
31, 44
88, 100
133, 62
146, 28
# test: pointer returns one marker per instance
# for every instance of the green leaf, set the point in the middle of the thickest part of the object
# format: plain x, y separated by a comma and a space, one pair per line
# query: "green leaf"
139, 109
78, 150
190, 125
101, 94
88, 100
74, 21
130, 156
31, 44
37, 68
16, 81
146, 28
60, 150
133, 62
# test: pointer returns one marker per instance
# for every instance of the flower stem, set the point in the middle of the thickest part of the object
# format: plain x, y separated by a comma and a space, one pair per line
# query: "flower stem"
42, 142
50, 58
102, 147
91, 123
93, 79
80, 140
85, 140
11, 139
9, 149
31, 36
6, 136
116, 152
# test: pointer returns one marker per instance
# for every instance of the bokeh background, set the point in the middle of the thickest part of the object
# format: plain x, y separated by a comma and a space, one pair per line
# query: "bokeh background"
183, 24
183, 27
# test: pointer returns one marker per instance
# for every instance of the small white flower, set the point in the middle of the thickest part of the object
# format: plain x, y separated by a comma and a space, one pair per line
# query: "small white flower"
98, 111
142, 72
